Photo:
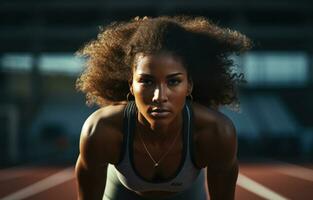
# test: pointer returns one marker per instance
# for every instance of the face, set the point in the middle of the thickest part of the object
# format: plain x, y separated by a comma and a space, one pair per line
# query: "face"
160, 86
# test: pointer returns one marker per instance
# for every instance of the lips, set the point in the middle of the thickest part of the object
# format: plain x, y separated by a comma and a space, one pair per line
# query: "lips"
160, 112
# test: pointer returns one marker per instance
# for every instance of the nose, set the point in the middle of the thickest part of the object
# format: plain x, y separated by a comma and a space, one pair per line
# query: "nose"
160, 94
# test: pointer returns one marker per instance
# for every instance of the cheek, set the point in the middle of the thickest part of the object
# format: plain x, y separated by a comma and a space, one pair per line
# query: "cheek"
179, 92
140, 93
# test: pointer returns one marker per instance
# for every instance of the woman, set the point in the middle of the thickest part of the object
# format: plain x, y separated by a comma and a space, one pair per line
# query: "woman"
154, 136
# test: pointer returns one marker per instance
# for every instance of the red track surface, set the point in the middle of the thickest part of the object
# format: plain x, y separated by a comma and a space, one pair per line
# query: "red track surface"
270, 176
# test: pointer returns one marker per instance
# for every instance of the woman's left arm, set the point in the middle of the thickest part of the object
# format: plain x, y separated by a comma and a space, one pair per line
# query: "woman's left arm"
222, 184
222, 165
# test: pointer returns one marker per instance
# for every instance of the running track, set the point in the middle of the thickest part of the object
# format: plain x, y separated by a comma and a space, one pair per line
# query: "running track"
277, 181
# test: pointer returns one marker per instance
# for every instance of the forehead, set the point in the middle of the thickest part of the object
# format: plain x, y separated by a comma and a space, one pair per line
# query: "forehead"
159, 63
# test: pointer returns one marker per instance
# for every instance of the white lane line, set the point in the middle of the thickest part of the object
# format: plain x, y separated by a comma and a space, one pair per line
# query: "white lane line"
258, 189
49, 182
295, 171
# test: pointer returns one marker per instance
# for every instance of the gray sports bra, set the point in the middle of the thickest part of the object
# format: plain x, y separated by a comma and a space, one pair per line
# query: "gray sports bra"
186, 174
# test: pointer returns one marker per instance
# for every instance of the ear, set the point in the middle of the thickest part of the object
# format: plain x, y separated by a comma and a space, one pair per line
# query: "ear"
190, 86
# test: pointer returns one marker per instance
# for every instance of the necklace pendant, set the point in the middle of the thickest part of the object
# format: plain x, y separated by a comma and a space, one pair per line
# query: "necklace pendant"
156, 165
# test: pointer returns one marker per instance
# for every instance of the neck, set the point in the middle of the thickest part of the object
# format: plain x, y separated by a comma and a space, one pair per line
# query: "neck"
160, 131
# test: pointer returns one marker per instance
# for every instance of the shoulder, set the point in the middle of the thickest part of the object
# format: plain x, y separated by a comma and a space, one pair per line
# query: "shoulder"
215, 138
212, 123
101, 135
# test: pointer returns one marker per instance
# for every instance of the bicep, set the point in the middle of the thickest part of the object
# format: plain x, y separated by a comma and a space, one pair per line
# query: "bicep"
222, 184
225, 145
222, 170
91, 165
90, 180
93, 144
85, 173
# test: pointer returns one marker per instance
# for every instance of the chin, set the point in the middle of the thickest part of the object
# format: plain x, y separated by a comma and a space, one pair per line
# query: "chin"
159, 123
156, 122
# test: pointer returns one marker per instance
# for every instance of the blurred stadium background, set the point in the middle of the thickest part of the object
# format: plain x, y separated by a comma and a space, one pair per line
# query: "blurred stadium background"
41, 113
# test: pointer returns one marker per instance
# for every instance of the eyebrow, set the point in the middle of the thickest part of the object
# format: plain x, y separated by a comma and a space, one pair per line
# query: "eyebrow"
168, 76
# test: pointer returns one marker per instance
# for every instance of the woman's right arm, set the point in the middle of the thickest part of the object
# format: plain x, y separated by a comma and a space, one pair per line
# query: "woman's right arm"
92, 163
90, 181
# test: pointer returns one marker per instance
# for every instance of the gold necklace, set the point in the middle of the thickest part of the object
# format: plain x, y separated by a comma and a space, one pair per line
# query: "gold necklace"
156, 163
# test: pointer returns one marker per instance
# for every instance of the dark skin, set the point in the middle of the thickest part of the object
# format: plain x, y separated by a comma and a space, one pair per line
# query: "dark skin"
158, 81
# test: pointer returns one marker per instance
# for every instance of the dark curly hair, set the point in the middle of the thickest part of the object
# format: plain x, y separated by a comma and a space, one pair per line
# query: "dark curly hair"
203, 47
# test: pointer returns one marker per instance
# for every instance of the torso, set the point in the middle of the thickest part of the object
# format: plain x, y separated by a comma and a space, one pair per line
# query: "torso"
204, 123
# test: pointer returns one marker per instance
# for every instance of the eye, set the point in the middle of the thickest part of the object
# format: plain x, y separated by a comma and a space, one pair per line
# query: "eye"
173, 82
145, 81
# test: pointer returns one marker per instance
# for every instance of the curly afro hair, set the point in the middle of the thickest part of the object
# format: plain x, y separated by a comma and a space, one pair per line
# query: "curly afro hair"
203, 47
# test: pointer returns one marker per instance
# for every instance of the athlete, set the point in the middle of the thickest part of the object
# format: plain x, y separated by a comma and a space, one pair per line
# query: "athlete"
158, 133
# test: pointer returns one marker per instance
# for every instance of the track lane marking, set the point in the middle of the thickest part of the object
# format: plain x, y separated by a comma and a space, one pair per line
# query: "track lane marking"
258, 189
42, 185
296, 171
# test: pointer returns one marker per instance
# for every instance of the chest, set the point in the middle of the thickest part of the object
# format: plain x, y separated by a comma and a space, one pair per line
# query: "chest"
169, 159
